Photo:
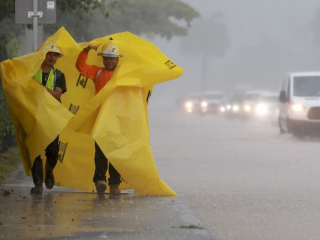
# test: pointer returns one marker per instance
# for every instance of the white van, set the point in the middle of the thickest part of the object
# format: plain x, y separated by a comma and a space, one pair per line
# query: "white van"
299, 109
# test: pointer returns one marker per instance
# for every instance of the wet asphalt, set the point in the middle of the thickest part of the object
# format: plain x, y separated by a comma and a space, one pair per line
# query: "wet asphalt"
62, 213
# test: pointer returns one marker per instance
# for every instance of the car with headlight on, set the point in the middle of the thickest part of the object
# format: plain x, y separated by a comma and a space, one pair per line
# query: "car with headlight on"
250, 100
191, 104
232, 106
299, 109
212, 101
267, 107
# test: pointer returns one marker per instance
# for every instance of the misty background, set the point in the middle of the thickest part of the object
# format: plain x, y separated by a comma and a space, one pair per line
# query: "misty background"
263, 40
233, 46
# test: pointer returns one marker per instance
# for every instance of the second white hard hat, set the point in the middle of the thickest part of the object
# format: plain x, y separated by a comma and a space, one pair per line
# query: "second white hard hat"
110, 50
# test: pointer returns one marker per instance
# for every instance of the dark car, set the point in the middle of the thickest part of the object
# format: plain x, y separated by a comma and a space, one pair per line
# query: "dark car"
258, 103
191, 103
232, 106
212, 101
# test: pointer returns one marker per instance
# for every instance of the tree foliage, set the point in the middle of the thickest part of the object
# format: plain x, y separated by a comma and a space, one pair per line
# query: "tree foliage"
6, 9
81, 7
6, 127
88, 19
166, 18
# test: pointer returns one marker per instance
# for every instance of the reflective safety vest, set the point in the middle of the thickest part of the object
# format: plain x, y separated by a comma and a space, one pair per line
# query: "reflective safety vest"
51, 79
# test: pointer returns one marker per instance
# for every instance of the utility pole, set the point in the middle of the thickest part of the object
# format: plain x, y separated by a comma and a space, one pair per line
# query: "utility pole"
35, 12
35, 24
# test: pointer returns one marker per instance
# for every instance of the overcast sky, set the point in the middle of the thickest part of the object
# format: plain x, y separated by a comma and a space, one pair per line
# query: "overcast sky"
249, 20
267, 39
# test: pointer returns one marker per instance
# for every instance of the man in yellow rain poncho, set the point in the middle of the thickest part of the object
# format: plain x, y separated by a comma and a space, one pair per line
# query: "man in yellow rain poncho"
54, 82
116, 118
110, 57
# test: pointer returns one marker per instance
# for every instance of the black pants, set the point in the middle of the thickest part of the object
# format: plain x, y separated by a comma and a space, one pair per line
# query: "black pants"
52, 153
101, 163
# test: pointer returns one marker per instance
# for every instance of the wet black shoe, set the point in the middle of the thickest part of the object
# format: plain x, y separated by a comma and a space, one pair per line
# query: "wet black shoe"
37, 176
36, 190
49, 181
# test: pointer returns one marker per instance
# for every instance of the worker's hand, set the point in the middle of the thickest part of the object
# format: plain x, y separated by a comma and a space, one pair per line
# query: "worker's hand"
88, 48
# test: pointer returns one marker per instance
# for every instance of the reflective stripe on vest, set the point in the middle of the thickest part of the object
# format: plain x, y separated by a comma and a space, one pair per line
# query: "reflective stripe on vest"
97, 75
51, 78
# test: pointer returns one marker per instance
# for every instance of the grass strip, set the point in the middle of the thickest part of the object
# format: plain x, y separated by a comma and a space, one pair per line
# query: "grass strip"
9, 161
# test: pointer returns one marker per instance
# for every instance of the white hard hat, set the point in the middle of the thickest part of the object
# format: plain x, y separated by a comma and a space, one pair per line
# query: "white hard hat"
56, 49
110, 50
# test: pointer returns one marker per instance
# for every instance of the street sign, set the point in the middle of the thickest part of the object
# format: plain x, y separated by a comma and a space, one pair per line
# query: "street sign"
24, 14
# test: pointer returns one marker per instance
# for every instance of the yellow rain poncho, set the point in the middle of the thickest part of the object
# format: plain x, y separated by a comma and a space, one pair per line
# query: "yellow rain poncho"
116, 118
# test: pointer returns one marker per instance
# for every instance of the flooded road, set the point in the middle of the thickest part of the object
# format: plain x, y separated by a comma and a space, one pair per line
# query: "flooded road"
241, 179
235, 180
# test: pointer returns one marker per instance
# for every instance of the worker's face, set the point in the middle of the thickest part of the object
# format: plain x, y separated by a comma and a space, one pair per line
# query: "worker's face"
51, 58
110, 63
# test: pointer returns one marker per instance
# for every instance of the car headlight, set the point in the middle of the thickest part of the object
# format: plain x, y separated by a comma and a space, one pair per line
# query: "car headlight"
247, 108
188, 104
222, 109
204, 104
235, 108
261, 109
228, 106
297, 107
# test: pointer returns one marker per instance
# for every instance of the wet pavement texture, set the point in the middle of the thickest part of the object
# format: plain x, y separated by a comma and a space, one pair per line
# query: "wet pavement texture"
62, 213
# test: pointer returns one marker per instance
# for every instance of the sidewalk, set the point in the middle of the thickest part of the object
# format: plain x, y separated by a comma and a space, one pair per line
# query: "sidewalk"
66, 214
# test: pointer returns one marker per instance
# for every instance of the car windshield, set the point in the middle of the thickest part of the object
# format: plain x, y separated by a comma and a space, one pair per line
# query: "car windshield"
307, 86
